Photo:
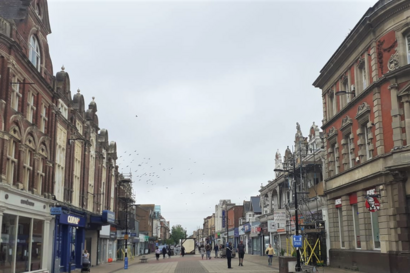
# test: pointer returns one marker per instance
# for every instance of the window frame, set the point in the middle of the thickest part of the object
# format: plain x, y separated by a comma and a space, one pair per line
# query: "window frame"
12, 161
15, 89
335, 149
31, 108
407, 38
43, 118
341, 233
373, 233
35, 52
356, 226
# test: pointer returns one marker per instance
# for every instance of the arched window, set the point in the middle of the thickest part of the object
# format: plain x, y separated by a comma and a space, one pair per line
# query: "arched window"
38, 9
34, 54
408, 48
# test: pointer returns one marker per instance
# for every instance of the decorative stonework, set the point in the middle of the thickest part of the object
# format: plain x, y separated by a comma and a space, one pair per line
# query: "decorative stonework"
346, 123
363, 112
381, 50
393, 62
332, 134
360, 63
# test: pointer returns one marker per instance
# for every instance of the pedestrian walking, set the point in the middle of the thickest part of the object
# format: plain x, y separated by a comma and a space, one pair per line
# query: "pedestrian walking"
216, 248
229, 255
164, 251
202, 251
157, 252
182, 251
241, 252
169, 251
208, 251
270, 253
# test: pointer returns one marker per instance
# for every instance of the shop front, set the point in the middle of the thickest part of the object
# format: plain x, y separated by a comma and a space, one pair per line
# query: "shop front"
92, 235
108, 241
256, 238
25, 228
246, 237
68, 239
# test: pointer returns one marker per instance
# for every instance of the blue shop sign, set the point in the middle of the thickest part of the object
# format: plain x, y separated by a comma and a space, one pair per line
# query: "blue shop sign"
247, 228
56, 210
236, 232
108, 217
72, 220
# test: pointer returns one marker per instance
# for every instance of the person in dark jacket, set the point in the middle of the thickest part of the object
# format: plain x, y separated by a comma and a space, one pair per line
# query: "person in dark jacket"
164, 251
169, 251
241, 252
229, 254
216, 248
182, 251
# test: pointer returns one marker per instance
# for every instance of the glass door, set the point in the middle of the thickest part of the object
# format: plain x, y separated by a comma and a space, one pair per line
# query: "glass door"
72, 231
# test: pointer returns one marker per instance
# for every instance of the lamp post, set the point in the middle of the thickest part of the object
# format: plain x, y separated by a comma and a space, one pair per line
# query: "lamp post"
297, 268
121, 182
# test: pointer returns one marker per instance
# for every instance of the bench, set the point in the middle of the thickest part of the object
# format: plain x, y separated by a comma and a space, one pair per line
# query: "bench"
144, 259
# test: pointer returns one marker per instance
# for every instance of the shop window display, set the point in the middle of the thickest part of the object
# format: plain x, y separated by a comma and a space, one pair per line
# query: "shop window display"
37, 245
7, 245
23, 244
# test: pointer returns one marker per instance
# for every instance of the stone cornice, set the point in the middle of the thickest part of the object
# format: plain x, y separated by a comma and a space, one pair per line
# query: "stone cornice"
357, 36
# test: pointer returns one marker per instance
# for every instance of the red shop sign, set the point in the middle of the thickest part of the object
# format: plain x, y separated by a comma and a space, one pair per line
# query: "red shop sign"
372, 204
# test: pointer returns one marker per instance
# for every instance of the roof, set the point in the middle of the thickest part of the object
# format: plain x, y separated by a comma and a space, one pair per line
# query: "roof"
14, 9
255, 204
246, 206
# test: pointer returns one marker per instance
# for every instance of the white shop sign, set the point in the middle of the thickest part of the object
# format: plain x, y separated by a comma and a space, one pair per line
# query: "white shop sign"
21, 201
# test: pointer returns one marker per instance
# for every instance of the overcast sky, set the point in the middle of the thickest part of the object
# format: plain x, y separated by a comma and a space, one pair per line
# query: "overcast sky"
218, 87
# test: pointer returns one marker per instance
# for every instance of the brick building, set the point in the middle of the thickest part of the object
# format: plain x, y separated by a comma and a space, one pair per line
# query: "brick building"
53, 154
366, 117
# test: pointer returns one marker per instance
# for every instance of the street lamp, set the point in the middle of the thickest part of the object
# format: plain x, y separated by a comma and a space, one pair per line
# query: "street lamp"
121, 182
297, 268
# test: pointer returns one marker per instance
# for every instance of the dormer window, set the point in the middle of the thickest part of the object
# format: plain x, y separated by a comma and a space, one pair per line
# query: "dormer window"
34, 54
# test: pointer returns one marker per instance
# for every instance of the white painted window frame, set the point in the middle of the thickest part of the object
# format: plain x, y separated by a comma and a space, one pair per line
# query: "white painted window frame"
34, 52
373, 238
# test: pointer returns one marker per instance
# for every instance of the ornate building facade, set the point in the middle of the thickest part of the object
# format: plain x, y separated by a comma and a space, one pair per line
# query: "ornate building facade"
58, 172
366, 118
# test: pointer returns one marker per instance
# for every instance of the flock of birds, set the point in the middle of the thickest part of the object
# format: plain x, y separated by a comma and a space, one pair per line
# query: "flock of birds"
153, 177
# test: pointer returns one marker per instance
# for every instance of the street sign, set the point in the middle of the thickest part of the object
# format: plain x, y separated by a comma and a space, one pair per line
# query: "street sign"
126, 237
56, 211
126, 263
297, 240
272, 227
372, 204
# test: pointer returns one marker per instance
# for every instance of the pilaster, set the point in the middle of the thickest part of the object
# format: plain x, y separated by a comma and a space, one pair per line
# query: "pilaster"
378, 123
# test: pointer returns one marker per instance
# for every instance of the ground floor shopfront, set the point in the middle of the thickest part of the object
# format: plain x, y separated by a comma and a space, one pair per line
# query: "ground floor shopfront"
108, 244
369, 222
25, 228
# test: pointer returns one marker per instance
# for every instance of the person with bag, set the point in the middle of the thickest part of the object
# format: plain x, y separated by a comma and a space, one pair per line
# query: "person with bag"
270, 251
157, 252
208, 251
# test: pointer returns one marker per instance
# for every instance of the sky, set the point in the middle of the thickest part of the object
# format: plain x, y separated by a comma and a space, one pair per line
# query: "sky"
199, 95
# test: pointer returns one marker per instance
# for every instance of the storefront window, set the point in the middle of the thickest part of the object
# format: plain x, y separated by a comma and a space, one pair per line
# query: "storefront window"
37, 244
23, 244
72, 246
341, 237
256, 245
356, 226
267, 242
375, 229
7, 245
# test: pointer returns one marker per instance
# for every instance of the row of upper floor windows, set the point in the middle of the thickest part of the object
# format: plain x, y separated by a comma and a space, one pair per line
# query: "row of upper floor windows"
352, 84
29, 104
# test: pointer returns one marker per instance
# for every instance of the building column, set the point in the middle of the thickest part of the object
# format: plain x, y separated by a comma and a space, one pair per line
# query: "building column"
270, 202
1, 222
20, 165
347, 224
406, 102
333, 225
401, 211
378, 122
46, 244
395, 113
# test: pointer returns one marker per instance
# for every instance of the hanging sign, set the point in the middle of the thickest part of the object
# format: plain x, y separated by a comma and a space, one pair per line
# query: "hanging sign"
372, 204
338, 202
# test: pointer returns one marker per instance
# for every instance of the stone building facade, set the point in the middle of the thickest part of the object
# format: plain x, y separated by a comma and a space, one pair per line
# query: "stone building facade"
52, 155
366, 118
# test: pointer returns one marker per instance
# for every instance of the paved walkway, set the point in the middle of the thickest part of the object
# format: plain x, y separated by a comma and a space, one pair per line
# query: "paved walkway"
194, 264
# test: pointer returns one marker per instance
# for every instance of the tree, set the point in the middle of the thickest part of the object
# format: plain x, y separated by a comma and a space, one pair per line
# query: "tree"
177, 233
